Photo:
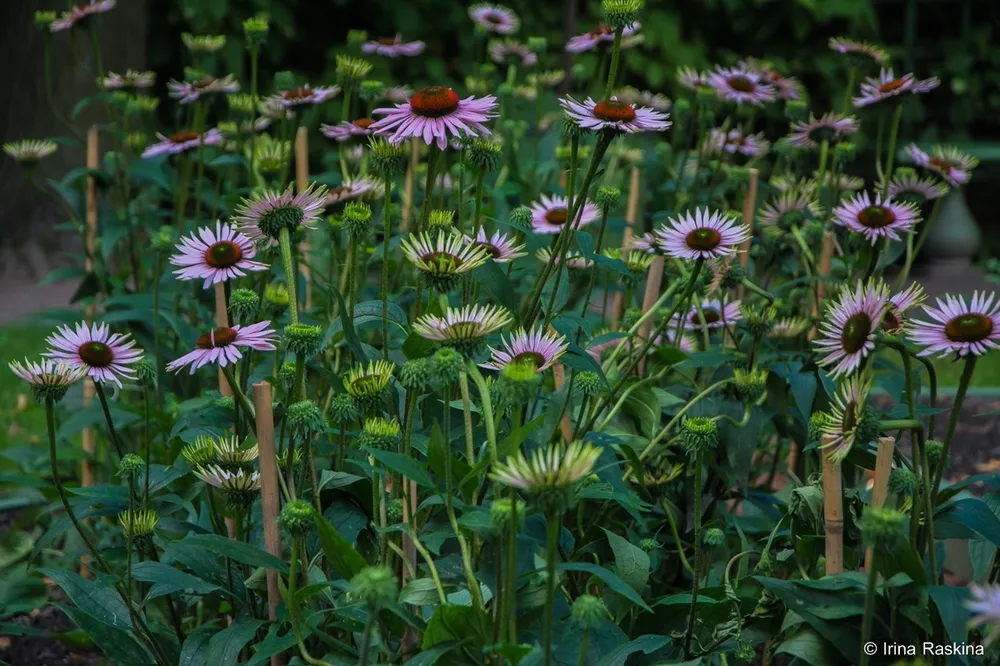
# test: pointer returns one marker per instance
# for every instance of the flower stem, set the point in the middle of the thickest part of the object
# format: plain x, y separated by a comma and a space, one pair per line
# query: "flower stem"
963, 387
510, 578
912, 251
696, 577
680, 414
487, 408
553, 525
866, 625
616, 50
582, 659
285, 243
99, 387
146, 437
51, 425
386, 233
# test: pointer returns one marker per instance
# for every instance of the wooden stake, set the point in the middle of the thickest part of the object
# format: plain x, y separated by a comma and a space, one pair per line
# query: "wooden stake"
222, 321
825, 264
90, 236
269, 492
792, 462
408, 186
631, 220
749, 207
409, 642
653, 282
833, 510
301, 183
880, 488
566, 424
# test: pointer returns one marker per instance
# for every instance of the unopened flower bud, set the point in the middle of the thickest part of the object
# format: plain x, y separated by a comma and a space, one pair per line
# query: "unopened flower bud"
297, 518
588, 611
376, 586
699, 434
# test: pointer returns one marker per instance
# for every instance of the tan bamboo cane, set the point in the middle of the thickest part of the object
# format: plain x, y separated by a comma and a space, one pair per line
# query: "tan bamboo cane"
301, 183
270, 493
631, 220
90, 236
833, 509
654, 280
566, 424
222, 321
749, 207
825, 264
880, 487
408, 186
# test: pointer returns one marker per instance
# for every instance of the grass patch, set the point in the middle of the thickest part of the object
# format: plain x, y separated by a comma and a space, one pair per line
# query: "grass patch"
16, 343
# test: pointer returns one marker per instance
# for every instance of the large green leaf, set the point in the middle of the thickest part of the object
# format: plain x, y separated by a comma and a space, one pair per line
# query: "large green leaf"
950, 603
645, 644
632, 563
610, 579
432, 656
235, 550
224, 647
405, 465
811, 648
964, 518
168, 580
194, 652
457, 623
96, 598
119, 645
347, 561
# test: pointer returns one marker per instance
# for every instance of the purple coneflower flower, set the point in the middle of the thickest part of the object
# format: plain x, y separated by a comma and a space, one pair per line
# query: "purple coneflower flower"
850, 46
131, 79
559, 466
48, 379
443, 258
692, 79
742, 84
459, 326
29, 151
713, 312
539, 346
183, 141
495, 18
964, 329
845, 416
788, 87
503, 250
345, 130
644, 243
574, 260
947, 161
685, 343
222, 345
985, 603
505, 51
305, 95
635, 97
602, 34
104, 356
703, 235
791, 208
393, 47
435, 113
215, 256
876, 218
911, 188
614, 115
352, 188
887, 86
828, 127
398, 94
187, 91
736, 142
80, 13
267, 213
549, 214
850, 325
238, 481
789, 327
894, 321
844, 182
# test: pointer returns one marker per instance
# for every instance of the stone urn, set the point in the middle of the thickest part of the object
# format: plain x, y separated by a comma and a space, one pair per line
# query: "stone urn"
954, 239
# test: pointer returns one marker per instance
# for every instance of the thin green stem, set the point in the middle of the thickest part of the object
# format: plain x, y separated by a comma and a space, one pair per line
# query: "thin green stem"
696, 577
553, 525
486, 404
285, 243
386, 233
616, 49
866, 625
99, 388
956, 409
913, 250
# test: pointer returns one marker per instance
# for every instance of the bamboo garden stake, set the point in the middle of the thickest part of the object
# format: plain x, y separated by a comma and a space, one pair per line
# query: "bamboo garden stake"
749, 207
880, 487
269, 492
301, 183
89, 445
631, 219
825, 264
833, 510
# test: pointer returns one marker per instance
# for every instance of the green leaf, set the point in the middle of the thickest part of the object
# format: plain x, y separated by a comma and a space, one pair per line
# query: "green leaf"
610, 579
168, 580
645, 644
329, 480
965, 517
579, 360
430, 657
419, 592
495, 285
95, 598
346, 326
643, 404
456, 623
632, 563
347, 561
117, 644
950, 603
194, 652
224, 647
236, 550
405, 465
371, 311
810, 647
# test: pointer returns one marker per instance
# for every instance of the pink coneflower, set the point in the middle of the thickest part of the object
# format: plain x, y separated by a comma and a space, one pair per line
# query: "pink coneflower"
574, 260
30, 151
791, 208
614, 115
183, 141
105, 357
352, 188
959, 328
398, 94
828, 127
444, 257
685, 343
845, 416
602, 34
850, 325
644, 243
222, 345
713, 312
947, 161
215, 256
735, 142
434, 114
647, 98
539, 346
48, 379
844, 182
462, 327
503, 250
130, 80
305, 95
788, 87
495, 18
80, 13
985, 604
506, 51
850, 46
703, 235
346, 130
265, 214
742, 84
393, 47
788, 328
910, 187
187, 91
549, 214
895, 321
887, 86
876, 218
692, 79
